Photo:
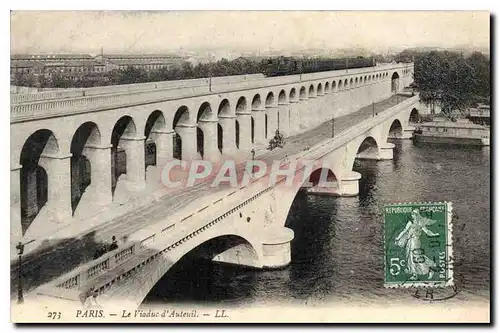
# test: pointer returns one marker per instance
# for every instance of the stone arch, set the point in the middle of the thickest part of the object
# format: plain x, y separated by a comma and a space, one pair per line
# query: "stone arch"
205, 112
83, 159
346, 84
327, 87
414, 116
311, 91
256, 102
368, 148
293, 94
225, 109
364, 79
334, 86
241, 105
395, 82
395, 130
224, 246
270, 99
351, 83
34, 180
319, 90
340, 85
356, 82
282, 97
322, 180
302, 93
124, 129
155, 123
181, 119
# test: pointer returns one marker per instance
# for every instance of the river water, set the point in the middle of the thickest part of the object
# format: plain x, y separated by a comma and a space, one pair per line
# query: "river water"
337, 253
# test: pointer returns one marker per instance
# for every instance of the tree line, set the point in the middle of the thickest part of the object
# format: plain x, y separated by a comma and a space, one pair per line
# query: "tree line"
451, 80
132, 74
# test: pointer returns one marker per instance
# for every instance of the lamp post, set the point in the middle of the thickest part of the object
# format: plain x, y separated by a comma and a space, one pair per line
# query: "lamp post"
333, 127
373, 109
20, 250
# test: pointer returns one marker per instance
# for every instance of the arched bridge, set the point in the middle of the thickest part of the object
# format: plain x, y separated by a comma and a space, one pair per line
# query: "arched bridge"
243, 225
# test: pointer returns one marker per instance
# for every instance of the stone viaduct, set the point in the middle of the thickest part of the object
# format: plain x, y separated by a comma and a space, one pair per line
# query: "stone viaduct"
246, 225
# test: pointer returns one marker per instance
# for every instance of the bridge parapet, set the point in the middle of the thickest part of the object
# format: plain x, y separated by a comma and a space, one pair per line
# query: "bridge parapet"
23, 108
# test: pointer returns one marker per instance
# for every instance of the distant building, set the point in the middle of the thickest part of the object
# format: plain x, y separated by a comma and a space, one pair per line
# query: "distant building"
85, 66
143, 61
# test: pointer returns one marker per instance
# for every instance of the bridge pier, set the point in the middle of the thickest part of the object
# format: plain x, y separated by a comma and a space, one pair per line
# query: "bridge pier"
301, 111
136, 172
58, 171
272, 121
259, 130
276, 247
189, 140
294, 117
386, 151
210, 140
228, 134
408, 132
100, 174
284, 119
245, 131
164, 147
350, 184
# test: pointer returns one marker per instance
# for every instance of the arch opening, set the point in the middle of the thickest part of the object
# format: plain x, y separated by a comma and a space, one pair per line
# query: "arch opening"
321, 181
414, 116
200, 137
224, 108
214, 256
252, 130
256, 102
327, 87
320, 88
204, 112
282, 97
155, 122
395, 82
123, 129
368, 149
241, 105
181, 118
34, 181
237, 133
396, 130
80, 165
270, 99
302, 93
293, 94
220, 136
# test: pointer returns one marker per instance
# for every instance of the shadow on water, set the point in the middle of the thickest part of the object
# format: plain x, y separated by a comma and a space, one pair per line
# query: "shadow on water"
196, 278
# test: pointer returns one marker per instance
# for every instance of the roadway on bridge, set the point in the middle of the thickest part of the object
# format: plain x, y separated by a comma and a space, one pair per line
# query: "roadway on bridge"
46, 265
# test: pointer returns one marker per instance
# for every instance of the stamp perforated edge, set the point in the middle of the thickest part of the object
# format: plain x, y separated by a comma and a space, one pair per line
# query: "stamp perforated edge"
449, 251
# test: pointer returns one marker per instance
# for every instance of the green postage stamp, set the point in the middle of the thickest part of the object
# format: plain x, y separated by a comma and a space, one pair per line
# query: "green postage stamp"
417, 244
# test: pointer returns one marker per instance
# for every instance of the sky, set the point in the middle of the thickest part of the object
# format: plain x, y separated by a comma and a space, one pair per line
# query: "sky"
164, 31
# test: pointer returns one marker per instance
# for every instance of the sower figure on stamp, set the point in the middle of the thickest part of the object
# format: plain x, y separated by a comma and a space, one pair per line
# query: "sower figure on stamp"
417, 262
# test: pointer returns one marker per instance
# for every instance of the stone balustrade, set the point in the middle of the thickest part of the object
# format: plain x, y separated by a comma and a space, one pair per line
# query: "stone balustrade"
24, 109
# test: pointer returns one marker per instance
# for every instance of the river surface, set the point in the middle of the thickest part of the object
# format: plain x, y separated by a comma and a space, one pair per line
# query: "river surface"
337, 253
